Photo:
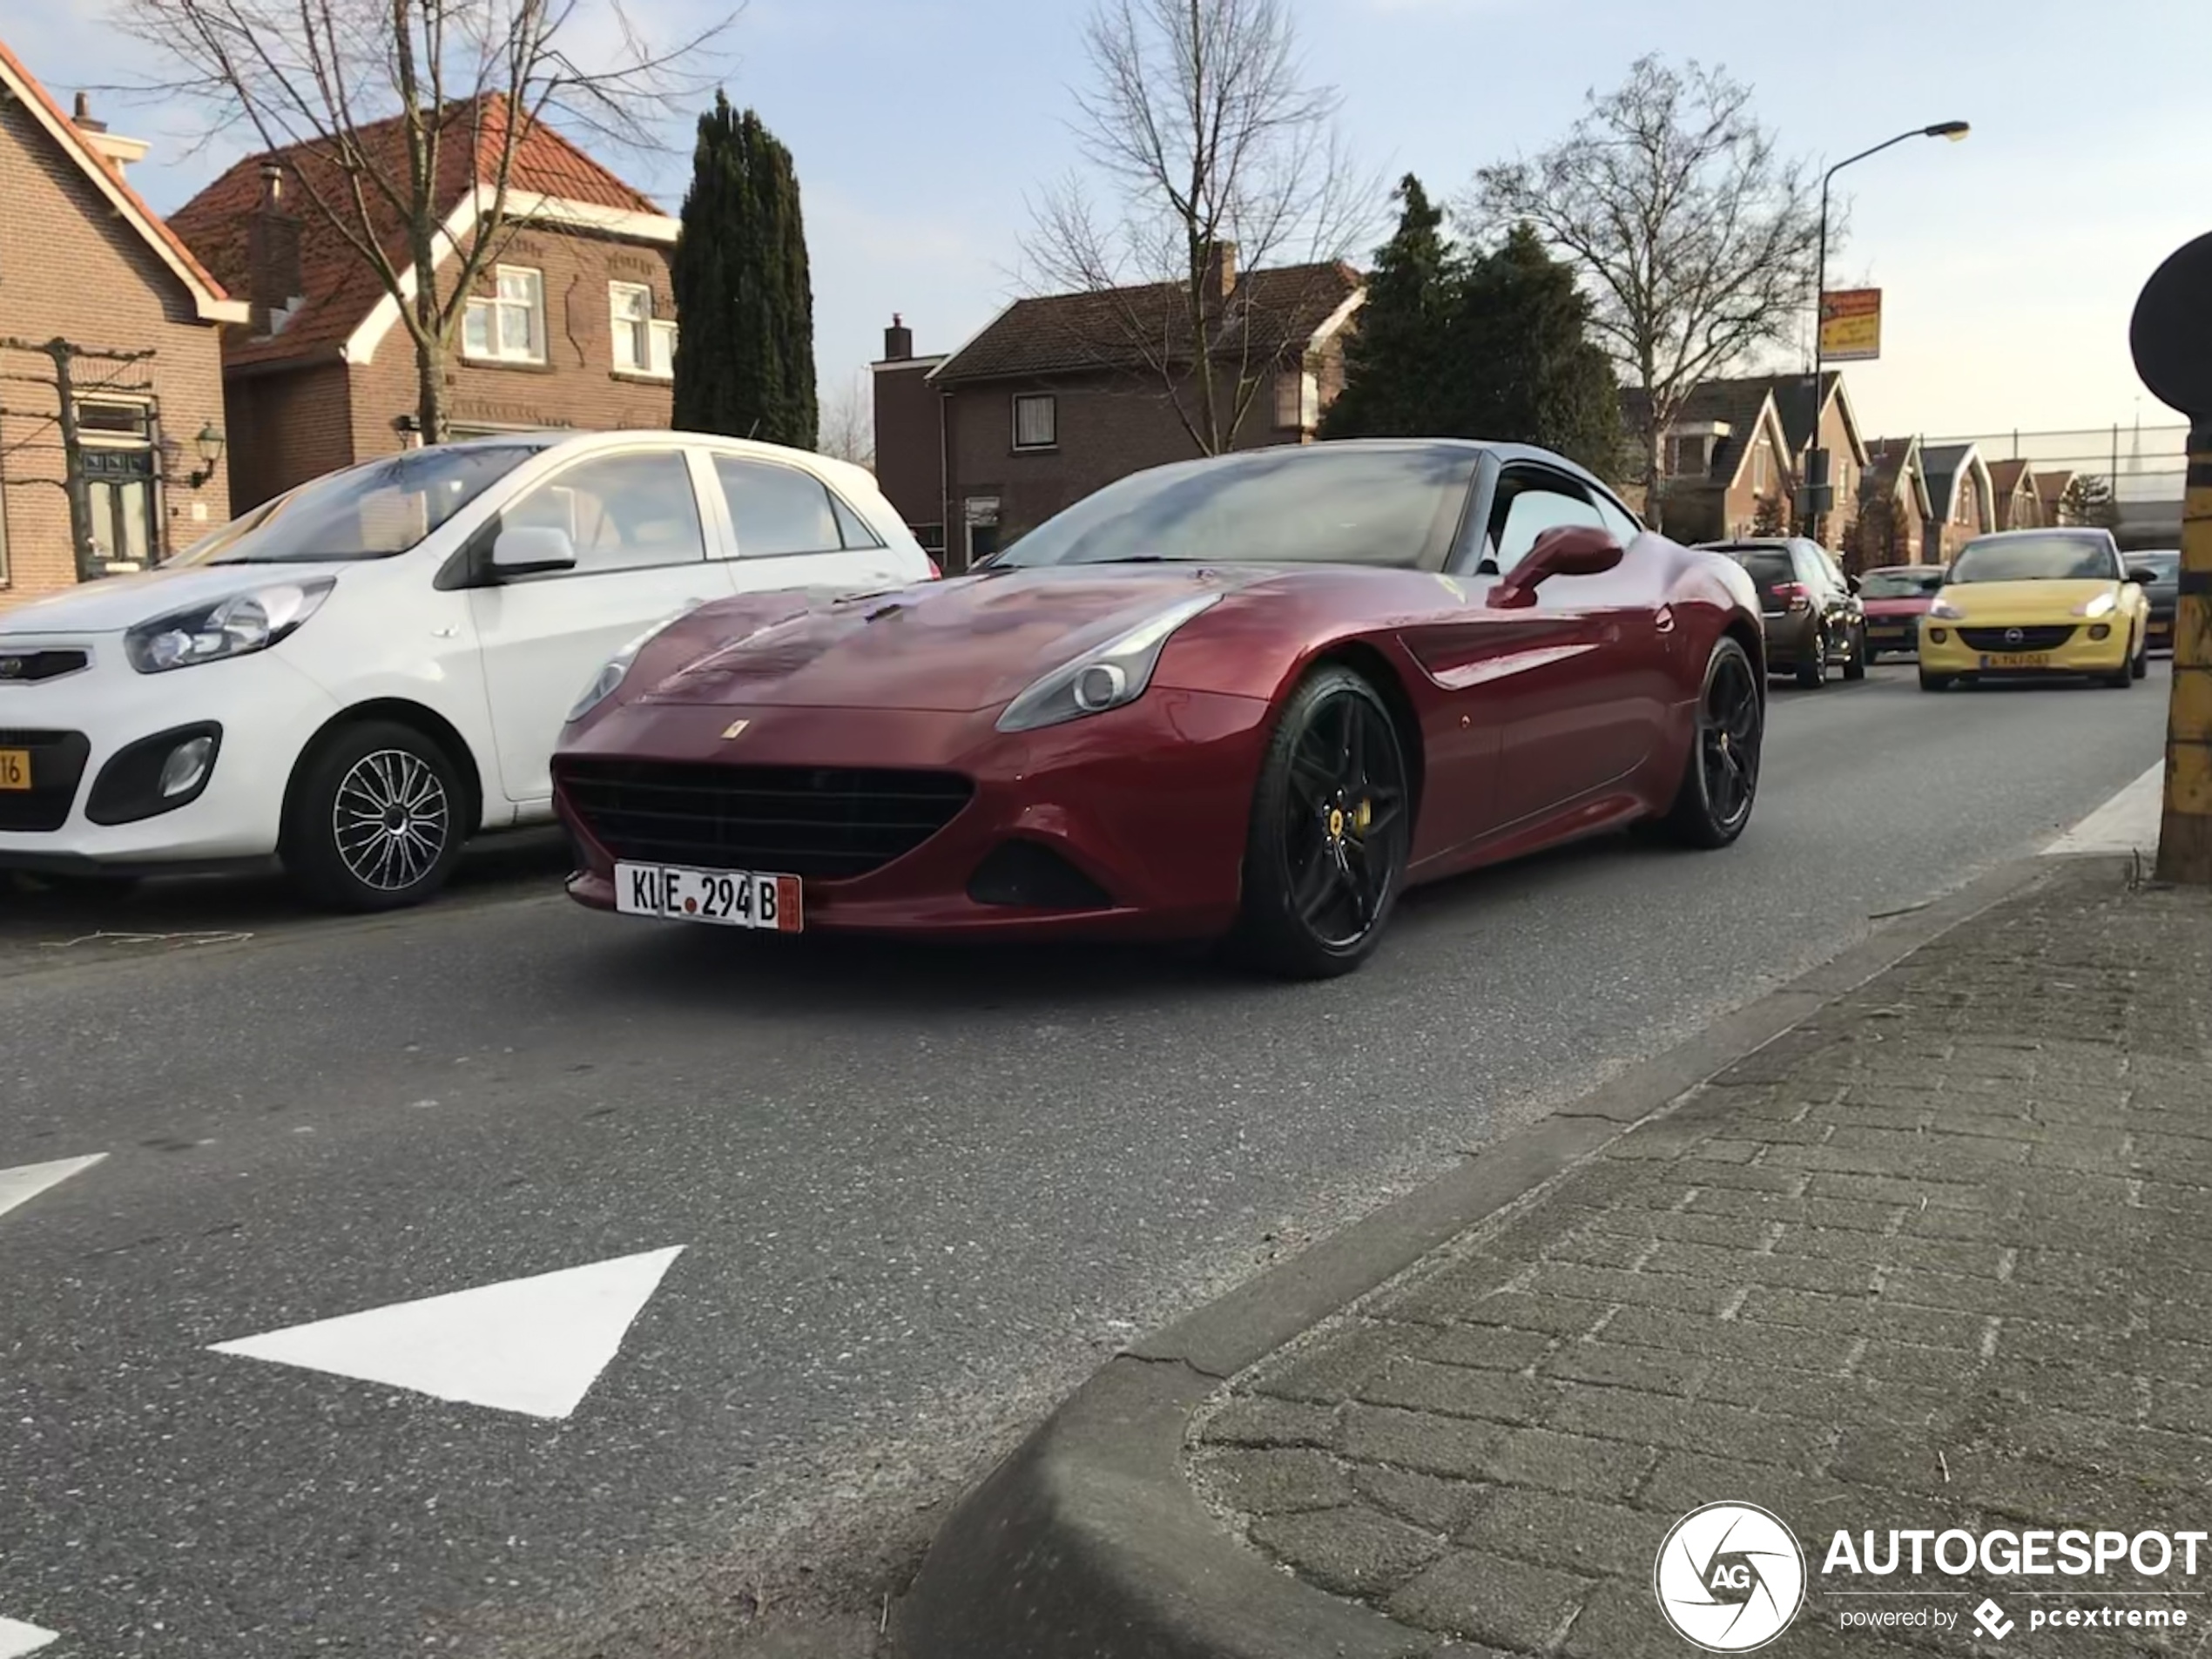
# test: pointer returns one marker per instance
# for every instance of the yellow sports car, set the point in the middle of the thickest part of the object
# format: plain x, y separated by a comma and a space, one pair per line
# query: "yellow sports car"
2038, 602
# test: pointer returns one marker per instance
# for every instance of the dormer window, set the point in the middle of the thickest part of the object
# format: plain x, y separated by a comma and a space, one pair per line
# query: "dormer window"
1689, 455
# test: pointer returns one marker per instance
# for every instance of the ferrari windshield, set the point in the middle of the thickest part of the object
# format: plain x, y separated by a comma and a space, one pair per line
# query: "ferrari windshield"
1307, 504
1901, 585
2036, 559
365, 512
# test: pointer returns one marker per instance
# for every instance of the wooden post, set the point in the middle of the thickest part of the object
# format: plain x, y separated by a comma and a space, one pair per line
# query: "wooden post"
2185, 829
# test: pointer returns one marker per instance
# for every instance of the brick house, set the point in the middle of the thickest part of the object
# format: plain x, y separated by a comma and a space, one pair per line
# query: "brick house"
1961, 499
572, 324
2011, 485
84, 259
1893, 510
2051, 484
976, 446
1837, 428
1725, 461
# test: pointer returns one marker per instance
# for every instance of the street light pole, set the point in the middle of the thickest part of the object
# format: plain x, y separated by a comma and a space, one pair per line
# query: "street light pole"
1815, 457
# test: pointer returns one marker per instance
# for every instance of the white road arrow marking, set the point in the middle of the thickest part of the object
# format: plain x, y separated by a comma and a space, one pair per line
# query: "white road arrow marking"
18, 1639
534, 1346
2127, 823
20, 1185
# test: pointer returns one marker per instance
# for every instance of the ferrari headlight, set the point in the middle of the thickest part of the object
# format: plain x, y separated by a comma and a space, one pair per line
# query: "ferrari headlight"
1948, 611
2102, 605
232, 626
1115, 673
610, 678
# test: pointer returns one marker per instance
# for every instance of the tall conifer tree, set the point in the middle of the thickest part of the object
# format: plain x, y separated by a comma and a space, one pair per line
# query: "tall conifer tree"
745, 358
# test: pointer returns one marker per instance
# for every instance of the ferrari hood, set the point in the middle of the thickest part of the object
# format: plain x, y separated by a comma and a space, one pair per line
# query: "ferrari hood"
2053, 601
969, 643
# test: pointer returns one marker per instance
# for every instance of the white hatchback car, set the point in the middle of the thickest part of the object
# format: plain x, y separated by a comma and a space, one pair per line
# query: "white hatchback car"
353, 679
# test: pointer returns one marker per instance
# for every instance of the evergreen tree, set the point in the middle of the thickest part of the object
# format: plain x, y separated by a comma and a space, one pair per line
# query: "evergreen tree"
1522, 367
744, 357
1394, 357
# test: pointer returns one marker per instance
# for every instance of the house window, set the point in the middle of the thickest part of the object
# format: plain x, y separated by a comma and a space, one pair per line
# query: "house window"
1686, 456
1290, 397
509, 325
1758, 468
644, 344
1036, 422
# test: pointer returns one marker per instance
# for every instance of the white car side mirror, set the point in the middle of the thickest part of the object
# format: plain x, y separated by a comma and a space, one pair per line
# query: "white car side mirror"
526, 550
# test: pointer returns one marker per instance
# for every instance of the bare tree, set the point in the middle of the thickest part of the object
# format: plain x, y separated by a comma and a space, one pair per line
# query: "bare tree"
848, 424
65, 377
462, 81
1696, 239
1209, 151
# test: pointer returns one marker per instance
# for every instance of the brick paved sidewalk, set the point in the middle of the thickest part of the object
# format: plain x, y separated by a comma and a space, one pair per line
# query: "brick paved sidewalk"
1941, 1257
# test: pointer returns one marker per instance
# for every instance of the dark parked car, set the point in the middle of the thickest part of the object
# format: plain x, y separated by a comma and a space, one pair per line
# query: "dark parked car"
1894, 599
2163, 594
1813, 616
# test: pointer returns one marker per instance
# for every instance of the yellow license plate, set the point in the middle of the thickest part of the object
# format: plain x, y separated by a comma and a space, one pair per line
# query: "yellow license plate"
15, 768
2018, 659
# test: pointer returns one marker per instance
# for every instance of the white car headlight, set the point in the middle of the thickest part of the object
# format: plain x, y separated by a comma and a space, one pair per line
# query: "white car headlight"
2102, 605
1947, 612
232, 626
1106, 677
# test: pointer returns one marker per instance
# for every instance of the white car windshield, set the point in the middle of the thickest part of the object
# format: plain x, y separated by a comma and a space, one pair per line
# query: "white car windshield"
367, 512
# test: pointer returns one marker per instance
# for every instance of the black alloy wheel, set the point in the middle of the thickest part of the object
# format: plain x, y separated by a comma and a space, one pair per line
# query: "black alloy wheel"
1332, 825
1721, 781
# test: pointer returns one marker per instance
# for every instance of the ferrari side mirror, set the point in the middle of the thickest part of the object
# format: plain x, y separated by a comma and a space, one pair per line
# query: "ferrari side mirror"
1565, 550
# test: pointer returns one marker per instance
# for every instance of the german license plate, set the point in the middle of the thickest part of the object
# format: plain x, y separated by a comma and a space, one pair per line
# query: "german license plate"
15, 768
723, 898
2018, 659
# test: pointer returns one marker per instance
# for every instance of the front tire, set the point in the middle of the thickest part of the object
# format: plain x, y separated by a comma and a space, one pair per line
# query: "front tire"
1331, 824
1855, 667
1934, 682
2141, 662
1721, 775
1812, 670
375, 820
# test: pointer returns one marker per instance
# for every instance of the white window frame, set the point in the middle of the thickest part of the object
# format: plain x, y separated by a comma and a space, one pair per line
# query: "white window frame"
652, 339
1051, 403
494, 306
1758, 465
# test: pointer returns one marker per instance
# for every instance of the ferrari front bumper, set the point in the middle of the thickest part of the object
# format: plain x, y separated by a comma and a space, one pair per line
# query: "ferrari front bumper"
1147, 806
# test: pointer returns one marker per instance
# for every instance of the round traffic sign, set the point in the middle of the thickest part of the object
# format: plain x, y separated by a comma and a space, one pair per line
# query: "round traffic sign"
2171, 335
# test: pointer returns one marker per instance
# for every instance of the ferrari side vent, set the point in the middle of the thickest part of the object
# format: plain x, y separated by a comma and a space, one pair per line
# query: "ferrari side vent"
1037, 878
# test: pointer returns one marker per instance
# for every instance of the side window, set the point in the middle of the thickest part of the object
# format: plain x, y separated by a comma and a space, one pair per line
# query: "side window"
623, 511
1527, 505
1625, 529
777, 509
1811, 571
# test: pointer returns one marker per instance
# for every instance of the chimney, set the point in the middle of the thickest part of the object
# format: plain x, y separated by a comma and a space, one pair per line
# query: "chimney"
111, 147
272, 255
898, 340
1221, 272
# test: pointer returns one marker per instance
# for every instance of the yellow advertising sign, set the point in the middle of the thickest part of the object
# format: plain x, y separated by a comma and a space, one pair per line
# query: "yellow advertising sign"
1850, 326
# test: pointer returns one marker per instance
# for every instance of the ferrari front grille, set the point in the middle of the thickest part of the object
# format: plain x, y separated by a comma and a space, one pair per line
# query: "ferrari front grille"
2043, 638
830, 823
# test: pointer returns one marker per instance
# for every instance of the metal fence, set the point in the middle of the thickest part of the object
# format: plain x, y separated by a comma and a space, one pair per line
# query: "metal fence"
2147, 465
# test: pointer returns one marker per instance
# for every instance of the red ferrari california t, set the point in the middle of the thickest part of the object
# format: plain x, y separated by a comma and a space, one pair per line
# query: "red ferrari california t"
1253, 697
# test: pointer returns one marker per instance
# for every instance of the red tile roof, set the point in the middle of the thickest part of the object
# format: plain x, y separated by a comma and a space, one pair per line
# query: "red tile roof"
149, 223
1073, 332
340, 287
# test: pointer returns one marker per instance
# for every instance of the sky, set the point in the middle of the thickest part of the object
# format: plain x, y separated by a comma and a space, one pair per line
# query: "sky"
2009, 263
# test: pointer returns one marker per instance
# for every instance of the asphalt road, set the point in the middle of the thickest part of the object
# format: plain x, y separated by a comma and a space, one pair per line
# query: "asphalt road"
918, 1192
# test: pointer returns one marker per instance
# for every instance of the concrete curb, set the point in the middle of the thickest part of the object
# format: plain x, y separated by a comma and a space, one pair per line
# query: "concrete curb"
1089, 1543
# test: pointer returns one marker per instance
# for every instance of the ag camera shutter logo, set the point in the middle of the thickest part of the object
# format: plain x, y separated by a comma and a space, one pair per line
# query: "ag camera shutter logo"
1730, 1577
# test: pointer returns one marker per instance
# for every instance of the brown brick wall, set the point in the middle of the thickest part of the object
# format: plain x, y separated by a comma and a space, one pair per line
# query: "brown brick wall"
70, 266
287, 426
908, 469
